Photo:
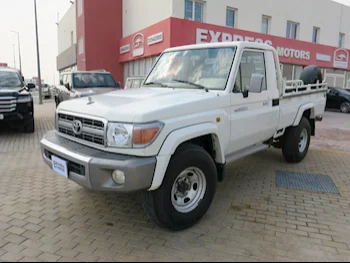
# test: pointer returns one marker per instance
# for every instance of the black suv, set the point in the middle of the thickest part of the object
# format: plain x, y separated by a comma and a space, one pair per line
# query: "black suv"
16, 103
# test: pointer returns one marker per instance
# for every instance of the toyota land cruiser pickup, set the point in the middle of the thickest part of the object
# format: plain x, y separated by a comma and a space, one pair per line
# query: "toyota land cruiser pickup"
16, 103
200, 108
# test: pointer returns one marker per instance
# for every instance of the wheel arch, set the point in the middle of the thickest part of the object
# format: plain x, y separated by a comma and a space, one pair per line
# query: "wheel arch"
205, 135
307, 111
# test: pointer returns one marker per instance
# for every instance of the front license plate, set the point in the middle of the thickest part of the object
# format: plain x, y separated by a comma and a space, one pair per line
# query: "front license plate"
59, 166
1, 117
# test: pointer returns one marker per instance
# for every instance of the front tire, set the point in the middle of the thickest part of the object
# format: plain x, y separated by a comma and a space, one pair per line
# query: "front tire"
187, 191
57, 101
30, 126
297, 142
345, 107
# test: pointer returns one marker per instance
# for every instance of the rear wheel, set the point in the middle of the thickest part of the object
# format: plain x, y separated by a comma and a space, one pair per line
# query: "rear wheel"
345, 107
297, 142
187, 191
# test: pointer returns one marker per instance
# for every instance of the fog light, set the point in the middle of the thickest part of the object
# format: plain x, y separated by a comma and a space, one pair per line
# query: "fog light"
118, 177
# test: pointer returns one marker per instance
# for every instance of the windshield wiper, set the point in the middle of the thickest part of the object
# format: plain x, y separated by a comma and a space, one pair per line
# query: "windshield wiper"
156, 83
191, 83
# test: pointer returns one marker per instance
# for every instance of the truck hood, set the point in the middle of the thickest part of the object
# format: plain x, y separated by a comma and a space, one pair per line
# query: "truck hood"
145, 104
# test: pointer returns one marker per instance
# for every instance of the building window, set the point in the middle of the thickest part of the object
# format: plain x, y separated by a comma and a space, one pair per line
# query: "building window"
231, 17
316, 35
80, 7
288, 72
81, 46
194, 10
265, 24
341, 40
292, 72
292, 30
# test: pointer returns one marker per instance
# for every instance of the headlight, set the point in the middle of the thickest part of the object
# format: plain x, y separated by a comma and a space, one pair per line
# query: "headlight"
119, 135
24, 99
132, 136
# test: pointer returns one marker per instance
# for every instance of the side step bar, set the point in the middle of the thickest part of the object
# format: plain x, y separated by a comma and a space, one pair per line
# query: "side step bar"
246, 152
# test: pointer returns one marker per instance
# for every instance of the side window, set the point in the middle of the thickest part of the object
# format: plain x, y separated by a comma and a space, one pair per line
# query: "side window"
238, 85
333, 92
251, 63
64, 79
69, 80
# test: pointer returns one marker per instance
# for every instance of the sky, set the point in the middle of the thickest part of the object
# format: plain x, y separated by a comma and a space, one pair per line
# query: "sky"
18, 15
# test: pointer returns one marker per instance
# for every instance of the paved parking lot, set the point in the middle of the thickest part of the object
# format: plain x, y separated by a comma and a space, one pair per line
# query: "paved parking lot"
45, 218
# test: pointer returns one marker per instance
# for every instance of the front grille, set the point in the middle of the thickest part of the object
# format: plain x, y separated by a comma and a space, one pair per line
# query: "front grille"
7, 104
92, 130
72, 166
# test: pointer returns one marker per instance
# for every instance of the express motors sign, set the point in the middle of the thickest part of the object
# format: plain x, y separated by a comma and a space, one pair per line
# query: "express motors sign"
205, 36
174, 32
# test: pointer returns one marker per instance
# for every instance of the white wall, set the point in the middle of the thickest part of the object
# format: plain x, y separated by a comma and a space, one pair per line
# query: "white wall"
324, 14
66, 25
139, 14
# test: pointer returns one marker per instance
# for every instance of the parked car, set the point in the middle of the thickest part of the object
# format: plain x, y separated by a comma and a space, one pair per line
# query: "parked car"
16, 103
173, 138
134, 82
46, 91
82, 84
338, 99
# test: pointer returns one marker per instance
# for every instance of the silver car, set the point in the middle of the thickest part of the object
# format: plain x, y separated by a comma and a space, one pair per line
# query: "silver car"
46, 91
84, 83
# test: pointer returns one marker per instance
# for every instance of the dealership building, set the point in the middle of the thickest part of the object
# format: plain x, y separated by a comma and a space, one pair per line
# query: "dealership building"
126, 37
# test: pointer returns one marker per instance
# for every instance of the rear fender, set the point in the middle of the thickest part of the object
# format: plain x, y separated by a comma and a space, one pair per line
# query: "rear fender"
302, 109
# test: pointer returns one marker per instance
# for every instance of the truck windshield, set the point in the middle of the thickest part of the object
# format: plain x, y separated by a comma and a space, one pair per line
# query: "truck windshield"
93, 80
10, 80
198, 68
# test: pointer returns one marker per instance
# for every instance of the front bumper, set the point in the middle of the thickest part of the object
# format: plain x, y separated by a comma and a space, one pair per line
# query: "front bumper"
16, 118
93, 168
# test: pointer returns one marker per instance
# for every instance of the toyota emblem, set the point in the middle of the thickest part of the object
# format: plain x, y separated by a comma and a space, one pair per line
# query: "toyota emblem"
77, 127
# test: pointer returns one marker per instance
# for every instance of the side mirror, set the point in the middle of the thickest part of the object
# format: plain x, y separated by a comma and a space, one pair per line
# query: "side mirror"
67, 86
256, 83
30, 86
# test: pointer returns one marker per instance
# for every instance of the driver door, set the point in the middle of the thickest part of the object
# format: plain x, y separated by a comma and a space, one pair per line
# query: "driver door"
254, 118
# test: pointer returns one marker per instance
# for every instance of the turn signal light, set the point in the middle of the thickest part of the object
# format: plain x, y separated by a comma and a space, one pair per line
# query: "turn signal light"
144, 136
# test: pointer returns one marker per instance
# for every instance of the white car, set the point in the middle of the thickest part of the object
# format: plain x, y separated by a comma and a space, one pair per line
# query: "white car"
80, 84
200, 108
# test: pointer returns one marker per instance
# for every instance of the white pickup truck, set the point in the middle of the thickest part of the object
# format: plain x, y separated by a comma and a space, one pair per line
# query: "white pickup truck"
200, 108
